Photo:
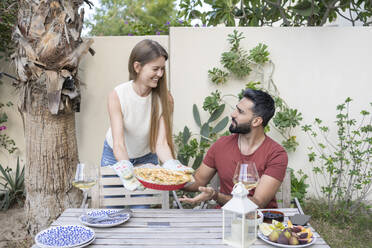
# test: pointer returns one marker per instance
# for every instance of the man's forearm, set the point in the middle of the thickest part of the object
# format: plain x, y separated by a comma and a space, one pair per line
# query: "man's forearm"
260, 204
192, 187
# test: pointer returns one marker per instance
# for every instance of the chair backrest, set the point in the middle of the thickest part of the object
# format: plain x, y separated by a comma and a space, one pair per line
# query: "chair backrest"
112, 193
283, 196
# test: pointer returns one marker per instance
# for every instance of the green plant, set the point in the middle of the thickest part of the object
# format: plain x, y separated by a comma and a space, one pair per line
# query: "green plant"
236, 61
8, 10
259, 54
213, 102
188, 147
141, 17
346, 165
13, 187
298, 185
240, 63
285, 120
269, 13
5, 141
218, 76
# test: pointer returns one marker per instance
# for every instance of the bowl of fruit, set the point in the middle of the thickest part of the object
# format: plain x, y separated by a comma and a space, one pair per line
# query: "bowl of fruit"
286, 235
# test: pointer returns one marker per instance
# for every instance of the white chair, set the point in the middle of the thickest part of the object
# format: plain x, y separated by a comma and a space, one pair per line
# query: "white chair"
283, 196
109, 184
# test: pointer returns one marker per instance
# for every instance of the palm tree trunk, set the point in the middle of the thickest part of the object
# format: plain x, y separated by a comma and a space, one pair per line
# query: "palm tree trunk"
51, 155
49, 48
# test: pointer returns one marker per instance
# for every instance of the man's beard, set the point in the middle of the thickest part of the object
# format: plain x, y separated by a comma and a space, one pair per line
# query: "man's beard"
242, 128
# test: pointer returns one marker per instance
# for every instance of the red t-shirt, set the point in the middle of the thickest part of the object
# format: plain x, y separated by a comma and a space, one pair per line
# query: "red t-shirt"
271, 159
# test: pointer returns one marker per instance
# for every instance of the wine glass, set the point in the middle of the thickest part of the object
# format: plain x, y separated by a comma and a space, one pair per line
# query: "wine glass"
84, 180
246, 173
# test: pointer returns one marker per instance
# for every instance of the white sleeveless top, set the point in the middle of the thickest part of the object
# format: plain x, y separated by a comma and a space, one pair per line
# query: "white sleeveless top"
136, 112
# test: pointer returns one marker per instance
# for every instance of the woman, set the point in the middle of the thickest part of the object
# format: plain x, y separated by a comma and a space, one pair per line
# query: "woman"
141, 111
140, 116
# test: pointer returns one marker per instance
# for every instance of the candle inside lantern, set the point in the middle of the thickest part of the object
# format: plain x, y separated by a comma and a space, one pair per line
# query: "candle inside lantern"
236, 231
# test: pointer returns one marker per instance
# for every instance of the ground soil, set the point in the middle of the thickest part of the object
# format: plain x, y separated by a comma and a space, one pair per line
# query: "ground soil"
13, 232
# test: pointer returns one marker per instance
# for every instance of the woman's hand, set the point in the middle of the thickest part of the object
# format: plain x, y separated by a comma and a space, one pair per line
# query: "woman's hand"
207, 193
176, 165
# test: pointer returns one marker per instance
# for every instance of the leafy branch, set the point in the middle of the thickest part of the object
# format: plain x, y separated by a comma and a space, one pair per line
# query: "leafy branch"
5, 141
240, 63
282, 12
345, 166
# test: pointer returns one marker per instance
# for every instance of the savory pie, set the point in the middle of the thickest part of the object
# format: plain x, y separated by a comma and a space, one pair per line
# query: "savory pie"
162, 176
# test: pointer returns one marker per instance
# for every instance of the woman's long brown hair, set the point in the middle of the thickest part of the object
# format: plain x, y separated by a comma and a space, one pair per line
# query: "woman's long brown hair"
144, 52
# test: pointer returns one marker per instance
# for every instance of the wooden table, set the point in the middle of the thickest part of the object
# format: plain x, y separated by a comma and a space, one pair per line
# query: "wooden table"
167, 229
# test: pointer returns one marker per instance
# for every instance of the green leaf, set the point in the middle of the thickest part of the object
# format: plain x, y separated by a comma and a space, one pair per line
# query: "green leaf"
204, 131
195, 14
5, 174
196, 114
186, 135
17, 169
182, 159
20, 178
197, 162
303, 8
220, 125
217, 113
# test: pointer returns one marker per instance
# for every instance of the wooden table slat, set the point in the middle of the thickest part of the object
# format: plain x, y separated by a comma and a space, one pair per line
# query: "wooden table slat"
173, 219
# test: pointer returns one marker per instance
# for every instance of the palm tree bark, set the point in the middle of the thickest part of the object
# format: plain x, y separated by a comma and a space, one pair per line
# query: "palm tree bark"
49, 48
51, 155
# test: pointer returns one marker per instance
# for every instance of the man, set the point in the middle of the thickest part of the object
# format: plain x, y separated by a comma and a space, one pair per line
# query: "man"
248, 141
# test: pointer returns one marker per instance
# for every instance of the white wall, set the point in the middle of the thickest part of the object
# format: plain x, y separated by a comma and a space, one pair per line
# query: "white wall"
14, 124
316, 69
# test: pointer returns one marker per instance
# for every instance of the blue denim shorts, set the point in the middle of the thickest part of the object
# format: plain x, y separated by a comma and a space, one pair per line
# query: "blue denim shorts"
108, 158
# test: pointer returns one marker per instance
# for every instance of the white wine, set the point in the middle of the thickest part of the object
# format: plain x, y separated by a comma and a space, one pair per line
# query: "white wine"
247, 185
84, 184
250, 185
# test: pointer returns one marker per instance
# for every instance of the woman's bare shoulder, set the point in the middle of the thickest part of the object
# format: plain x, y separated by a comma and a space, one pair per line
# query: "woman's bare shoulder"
113, 100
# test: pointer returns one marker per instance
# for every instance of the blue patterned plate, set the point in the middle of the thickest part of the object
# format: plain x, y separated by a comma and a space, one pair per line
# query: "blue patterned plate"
120, 219
64, 236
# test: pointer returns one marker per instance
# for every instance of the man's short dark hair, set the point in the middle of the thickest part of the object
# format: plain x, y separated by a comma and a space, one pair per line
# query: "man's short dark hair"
264, 105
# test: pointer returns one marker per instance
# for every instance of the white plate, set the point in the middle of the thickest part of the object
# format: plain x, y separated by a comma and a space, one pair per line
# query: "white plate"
86, 244
120, 219
266, 239
80, 246
65, 237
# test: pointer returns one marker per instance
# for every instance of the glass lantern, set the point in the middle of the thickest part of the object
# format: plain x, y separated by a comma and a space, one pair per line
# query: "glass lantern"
239, 227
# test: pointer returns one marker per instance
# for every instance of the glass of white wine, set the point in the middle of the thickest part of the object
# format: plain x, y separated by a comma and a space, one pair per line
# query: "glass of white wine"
84, 180
246, 173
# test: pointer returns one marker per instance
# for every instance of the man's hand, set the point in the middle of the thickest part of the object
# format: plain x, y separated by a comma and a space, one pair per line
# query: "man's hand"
206, 194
